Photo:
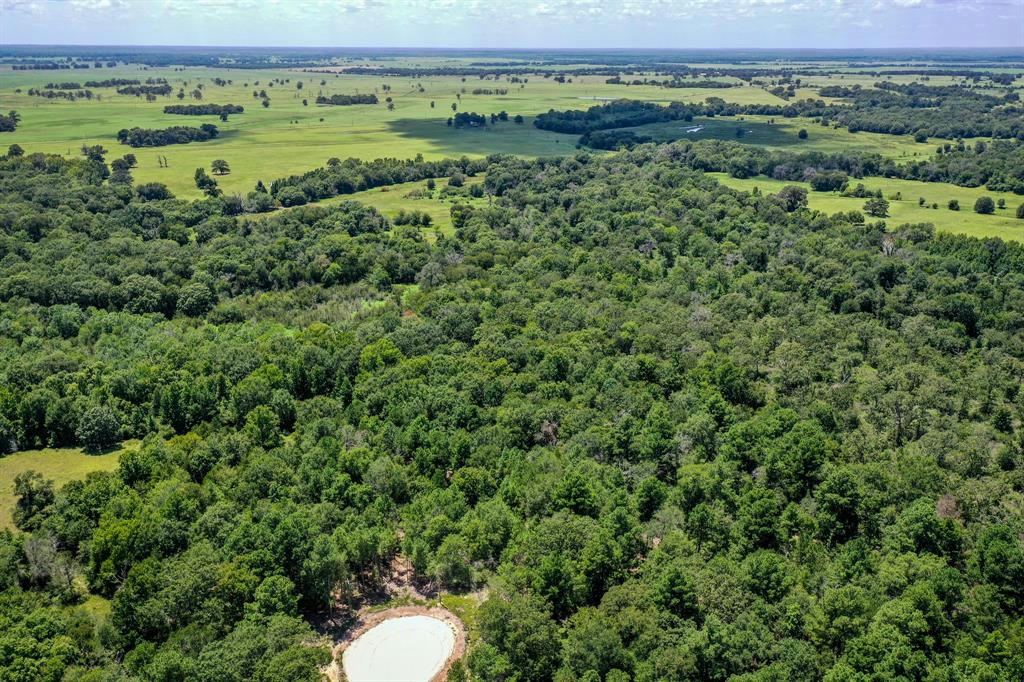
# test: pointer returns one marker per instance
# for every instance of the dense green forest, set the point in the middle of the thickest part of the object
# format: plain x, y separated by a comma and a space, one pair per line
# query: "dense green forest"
679, 431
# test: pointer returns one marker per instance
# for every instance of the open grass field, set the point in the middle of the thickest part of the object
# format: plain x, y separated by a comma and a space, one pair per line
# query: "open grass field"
289, 137
1002, 224
412, 196
58, 464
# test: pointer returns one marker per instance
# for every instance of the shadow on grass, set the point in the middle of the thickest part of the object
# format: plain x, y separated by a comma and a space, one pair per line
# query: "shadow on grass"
503, 137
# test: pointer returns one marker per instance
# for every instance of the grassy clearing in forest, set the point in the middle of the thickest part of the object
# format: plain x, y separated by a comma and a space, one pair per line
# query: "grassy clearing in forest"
1002, 223
58, 464
413, 196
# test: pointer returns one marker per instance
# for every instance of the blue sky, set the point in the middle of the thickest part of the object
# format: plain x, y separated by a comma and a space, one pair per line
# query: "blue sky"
518, 23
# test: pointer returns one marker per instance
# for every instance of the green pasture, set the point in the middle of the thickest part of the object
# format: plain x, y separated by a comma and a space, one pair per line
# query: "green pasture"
58, 464
289, 138
1002, 223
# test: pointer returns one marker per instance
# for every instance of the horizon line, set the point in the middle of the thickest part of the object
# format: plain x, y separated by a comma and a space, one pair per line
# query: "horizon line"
515, 49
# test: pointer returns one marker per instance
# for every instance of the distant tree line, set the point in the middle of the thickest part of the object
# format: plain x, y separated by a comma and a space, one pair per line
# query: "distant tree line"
139, 90
839, 91
64, 86
159, 137
203, 109
111, 83
346, 100
676, 82
71, 95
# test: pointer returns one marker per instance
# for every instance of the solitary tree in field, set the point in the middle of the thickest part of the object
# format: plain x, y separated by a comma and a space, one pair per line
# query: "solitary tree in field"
220, 167
1020, 212
454, 106
802, 134
15, 150
984, 206
266, 102
877, 207
953, 205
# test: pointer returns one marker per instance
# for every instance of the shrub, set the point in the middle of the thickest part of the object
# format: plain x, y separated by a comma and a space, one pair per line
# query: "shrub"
292, 196
984, 206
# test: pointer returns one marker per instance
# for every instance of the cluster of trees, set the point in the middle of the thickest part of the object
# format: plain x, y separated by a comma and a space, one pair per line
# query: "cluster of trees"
681, 432
158, 137
71, 85
930, 111
346, 100
676, 82
9, 121
618, 114
204, 109
923, 111
70, 95
139, 90
467, 119
998, 165
45, 66
112, 83
413, 217
352, 175
612, 139
839, 90
490, 91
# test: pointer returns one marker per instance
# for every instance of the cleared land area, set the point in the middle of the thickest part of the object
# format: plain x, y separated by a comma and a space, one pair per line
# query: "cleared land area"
404, 649
291, 137
1001, 224
57, 464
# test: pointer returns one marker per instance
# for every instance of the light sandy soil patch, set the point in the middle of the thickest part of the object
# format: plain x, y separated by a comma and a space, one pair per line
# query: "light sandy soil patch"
403, 644
406, 649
